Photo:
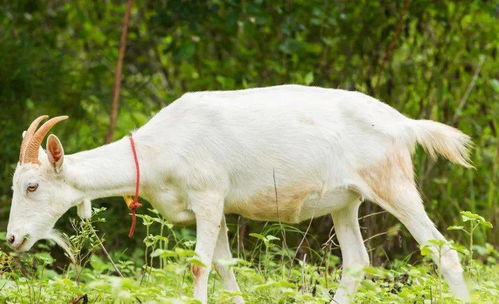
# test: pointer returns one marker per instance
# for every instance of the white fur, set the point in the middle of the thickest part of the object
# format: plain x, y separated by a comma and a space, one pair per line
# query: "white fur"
217, 152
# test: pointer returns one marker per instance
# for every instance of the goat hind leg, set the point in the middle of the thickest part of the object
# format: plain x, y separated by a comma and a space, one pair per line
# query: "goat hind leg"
407, 206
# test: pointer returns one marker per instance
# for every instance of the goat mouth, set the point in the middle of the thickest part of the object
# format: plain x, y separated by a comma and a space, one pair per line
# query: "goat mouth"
18, 247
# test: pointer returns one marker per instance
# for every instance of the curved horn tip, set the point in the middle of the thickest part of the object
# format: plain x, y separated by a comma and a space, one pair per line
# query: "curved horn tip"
31, 150
28, 134
34, 124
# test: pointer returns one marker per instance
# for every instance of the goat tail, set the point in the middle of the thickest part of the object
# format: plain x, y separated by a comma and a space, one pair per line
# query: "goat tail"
438, 138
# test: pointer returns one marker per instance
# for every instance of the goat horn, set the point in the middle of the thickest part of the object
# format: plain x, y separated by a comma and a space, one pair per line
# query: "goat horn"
28, 134
31, 154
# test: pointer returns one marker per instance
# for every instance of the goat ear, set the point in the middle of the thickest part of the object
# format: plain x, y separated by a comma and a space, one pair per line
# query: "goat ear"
55, 152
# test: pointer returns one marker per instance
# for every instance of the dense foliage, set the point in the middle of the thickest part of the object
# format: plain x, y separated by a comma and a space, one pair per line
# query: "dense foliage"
428, 59
269, 273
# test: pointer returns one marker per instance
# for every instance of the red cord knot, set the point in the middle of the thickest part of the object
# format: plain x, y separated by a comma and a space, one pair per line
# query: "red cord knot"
133, 207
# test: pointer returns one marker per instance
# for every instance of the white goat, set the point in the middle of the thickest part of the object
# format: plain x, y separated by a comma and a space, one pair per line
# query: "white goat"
213, 153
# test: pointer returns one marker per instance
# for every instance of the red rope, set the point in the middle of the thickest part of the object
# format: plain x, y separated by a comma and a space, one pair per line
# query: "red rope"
135, 204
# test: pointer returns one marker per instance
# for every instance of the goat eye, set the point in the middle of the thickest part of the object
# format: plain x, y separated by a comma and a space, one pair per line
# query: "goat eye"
32, 187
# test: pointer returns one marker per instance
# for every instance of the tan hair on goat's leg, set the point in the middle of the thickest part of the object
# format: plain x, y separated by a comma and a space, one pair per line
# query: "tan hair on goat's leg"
407, 206
390, 184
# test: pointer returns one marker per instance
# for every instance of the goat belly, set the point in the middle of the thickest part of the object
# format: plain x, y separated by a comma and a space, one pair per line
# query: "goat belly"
292, 206
286, 206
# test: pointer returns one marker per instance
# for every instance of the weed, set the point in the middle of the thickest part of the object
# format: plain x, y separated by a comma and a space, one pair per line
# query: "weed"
266, 277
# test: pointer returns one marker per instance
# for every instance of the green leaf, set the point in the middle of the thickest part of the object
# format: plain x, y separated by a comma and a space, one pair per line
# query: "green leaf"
227, 262
437, 242
487, 224
157, 252
460, 248
98, 264
309, 78
185, 252
45, 257
195, 261
470, 216
426, 250
495, 84
272, 238
258, 236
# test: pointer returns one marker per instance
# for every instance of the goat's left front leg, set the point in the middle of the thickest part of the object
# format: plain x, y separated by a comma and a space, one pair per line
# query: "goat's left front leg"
208, 209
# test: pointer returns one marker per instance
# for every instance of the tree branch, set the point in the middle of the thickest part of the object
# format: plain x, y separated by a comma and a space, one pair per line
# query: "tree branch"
115, 106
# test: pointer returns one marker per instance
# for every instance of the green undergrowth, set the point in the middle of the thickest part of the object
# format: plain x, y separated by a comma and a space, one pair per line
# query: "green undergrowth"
270, 274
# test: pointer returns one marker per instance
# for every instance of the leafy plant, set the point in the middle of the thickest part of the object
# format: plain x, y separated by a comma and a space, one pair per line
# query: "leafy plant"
473, 221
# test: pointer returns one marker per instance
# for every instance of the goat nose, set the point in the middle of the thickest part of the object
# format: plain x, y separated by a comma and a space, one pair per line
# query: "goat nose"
11, 239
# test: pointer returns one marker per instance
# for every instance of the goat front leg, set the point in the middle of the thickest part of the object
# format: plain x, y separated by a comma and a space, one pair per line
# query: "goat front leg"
353, 252
222, 252
208, 209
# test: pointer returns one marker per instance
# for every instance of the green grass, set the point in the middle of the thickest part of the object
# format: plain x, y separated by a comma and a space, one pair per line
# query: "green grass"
401, 283
268, 274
